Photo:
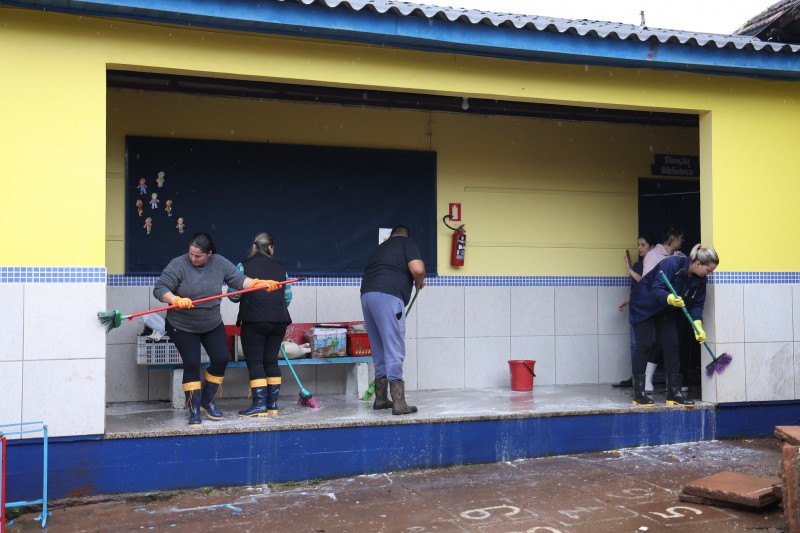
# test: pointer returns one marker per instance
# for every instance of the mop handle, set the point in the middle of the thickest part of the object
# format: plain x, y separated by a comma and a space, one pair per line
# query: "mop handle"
289, 364
685, 312
414, 299
208, 299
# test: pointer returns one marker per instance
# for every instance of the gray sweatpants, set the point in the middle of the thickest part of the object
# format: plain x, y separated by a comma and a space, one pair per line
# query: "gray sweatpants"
384, 316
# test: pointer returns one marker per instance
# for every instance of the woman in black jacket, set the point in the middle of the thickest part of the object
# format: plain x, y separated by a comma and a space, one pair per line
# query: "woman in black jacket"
263, 318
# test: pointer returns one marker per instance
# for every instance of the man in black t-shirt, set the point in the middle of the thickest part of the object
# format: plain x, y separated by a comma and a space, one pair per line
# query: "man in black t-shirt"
391, 270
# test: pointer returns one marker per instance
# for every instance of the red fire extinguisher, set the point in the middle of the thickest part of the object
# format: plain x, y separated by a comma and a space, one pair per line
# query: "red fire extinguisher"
459, 246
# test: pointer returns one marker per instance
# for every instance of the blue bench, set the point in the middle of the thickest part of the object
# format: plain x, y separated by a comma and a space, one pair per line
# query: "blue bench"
357, 377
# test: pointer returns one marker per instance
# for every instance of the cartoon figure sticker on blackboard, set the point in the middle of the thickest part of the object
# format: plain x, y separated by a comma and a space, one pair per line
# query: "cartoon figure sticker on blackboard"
154, 200
160, 179
142, 186
168, 207
148, 224
180, 225
139, 207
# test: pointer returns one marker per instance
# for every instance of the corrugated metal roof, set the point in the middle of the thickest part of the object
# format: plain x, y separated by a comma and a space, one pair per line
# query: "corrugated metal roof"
590, 28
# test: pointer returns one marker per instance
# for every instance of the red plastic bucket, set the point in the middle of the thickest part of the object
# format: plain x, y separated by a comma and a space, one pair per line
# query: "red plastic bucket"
522, 374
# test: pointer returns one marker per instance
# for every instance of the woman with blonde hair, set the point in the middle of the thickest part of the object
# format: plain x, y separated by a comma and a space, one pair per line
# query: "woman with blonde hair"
654, 312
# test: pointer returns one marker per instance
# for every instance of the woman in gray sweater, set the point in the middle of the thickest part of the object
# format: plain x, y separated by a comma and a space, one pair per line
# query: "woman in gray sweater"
199, 274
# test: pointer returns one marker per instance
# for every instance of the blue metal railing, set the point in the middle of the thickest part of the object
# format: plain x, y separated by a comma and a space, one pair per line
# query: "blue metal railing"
39, 427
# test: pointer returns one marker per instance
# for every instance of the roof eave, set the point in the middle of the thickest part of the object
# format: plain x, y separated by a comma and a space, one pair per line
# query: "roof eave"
440, 35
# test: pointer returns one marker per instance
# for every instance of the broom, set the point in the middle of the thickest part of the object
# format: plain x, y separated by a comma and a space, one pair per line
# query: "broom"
113, 319
305, 395
717, 364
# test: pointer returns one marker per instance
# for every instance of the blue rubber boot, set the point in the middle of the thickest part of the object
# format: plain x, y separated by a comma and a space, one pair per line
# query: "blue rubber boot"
192, 392
273, 390
210, 390
258, 393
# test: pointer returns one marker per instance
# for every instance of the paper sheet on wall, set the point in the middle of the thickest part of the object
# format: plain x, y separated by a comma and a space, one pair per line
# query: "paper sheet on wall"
383, 234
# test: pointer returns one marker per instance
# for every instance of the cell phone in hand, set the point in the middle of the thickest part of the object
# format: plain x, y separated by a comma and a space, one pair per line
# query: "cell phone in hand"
628, 256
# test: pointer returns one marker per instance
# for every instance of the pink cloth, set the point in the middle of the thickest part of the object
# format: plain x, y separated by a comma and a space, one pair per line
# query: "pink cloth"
655, 256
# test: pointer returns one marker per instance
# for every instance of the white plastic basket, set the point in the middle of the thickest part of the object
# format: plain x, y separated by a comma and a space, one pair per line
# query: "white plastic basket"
163, 352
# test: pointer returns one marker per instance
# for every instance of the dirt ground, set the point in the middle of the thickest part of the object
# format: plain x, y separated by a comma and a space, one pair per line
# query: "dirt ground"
634, 490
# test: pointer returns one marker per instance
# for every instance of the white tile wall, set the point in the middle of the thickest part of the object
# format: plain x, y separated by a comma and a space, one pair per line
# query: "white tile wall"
768, 368
463, 337
612, 367
336, 304
440, 363
61, 321
767, 313
576, 311
440, 313
577, 359
610, 320
68, 395
487, 311
486, 362
532, 311
11, 322
11, 385
731, 384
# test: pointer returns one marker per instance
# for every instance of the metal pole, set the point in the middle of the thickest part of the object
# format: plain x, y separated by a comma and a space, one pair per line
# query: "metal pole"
3, 483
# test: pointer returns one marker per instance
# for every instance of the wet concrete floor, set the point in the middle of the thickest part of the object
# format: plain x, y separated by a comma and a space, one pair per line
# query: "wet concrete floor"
630, 490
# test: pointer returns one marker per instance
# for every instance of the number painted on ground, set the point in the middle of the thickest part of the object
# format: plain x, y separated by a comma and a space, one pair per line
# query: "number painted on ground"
632, 494
483, 513
672, 512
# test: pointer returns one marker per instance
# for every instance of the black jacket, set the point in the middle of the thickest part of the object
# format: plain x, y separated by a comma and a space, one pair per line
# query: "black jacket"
263, 306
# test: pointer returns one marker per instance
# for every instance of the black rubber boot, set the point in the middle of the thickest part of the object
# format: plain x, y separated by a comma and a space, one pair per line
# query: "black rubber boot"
675, 395
210, 389
192, 392
399, 405
258, 393
273, 390
639, 397
623, 384
382, 400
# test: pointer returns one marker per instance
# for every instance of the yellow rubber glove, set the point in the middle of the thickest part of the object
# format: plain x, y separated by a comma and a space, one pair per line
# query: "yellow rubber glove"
675, 301
699, 333
266, 284
183, 303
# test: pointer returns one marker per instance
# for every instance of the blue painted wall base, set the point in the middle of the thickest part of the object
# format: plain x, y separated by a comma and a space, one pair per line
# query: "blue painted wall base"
81, 467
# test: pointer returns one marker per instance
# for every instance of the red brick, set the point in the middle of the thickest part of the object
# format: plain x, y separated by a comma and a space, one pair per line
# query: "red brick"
788, 434
751, 491
790, 474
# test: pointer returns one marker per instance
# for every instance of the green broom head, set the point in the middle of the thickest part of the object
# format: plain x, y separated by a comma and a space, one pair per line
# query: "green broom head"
110, 319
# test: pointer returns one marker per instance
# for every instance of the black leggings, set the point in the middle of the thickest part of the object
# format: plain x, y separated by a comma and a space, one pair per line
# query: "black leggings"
261, 343
657, 331
188, 345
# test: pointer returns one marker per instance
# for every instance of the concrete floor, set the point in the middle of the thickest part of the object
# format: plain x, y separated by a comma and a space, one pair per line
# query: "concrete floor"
155, 419
630, 490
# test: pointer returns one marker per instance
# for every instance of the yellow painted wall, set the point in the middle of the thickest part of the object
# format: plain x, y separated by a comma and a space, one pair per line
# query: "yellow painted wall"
746, 135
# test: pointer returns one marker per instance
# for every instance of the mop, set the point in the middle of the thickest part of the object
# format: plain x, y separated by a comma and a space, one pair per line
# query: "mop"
113, 319
371, 389
305, 395
717, 364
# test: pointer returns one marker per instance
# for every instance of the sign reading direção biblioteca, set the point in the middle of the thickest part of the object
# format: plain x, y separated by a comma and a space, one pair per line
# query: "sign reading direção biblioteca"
676, 165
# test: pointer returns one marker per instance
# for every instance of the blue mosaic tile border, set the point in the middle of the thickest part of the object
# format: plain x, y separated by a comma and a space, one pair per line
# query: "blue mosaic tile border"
52, 274
99, 275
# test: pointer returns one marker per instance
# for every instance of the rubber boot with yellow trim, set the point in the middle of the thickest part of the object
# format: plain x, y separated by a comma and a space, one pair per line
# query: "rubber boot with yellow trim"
192, 392
258, 393
210, 389
273, 390
675, 395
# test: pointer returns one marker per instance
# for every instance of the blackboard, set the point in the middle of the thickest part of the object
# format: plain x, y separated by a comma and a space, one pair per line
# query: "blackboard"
323, 205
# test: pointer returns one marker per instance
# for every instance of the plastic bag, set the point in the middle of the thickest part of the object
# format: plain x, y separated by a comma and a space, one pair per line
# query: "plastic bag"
156, 323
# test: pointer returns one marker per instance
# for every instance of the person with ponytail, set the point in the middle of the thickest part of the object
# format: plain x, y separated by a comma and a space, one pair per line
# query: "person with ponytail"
263, 318
195, 275
655, 311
